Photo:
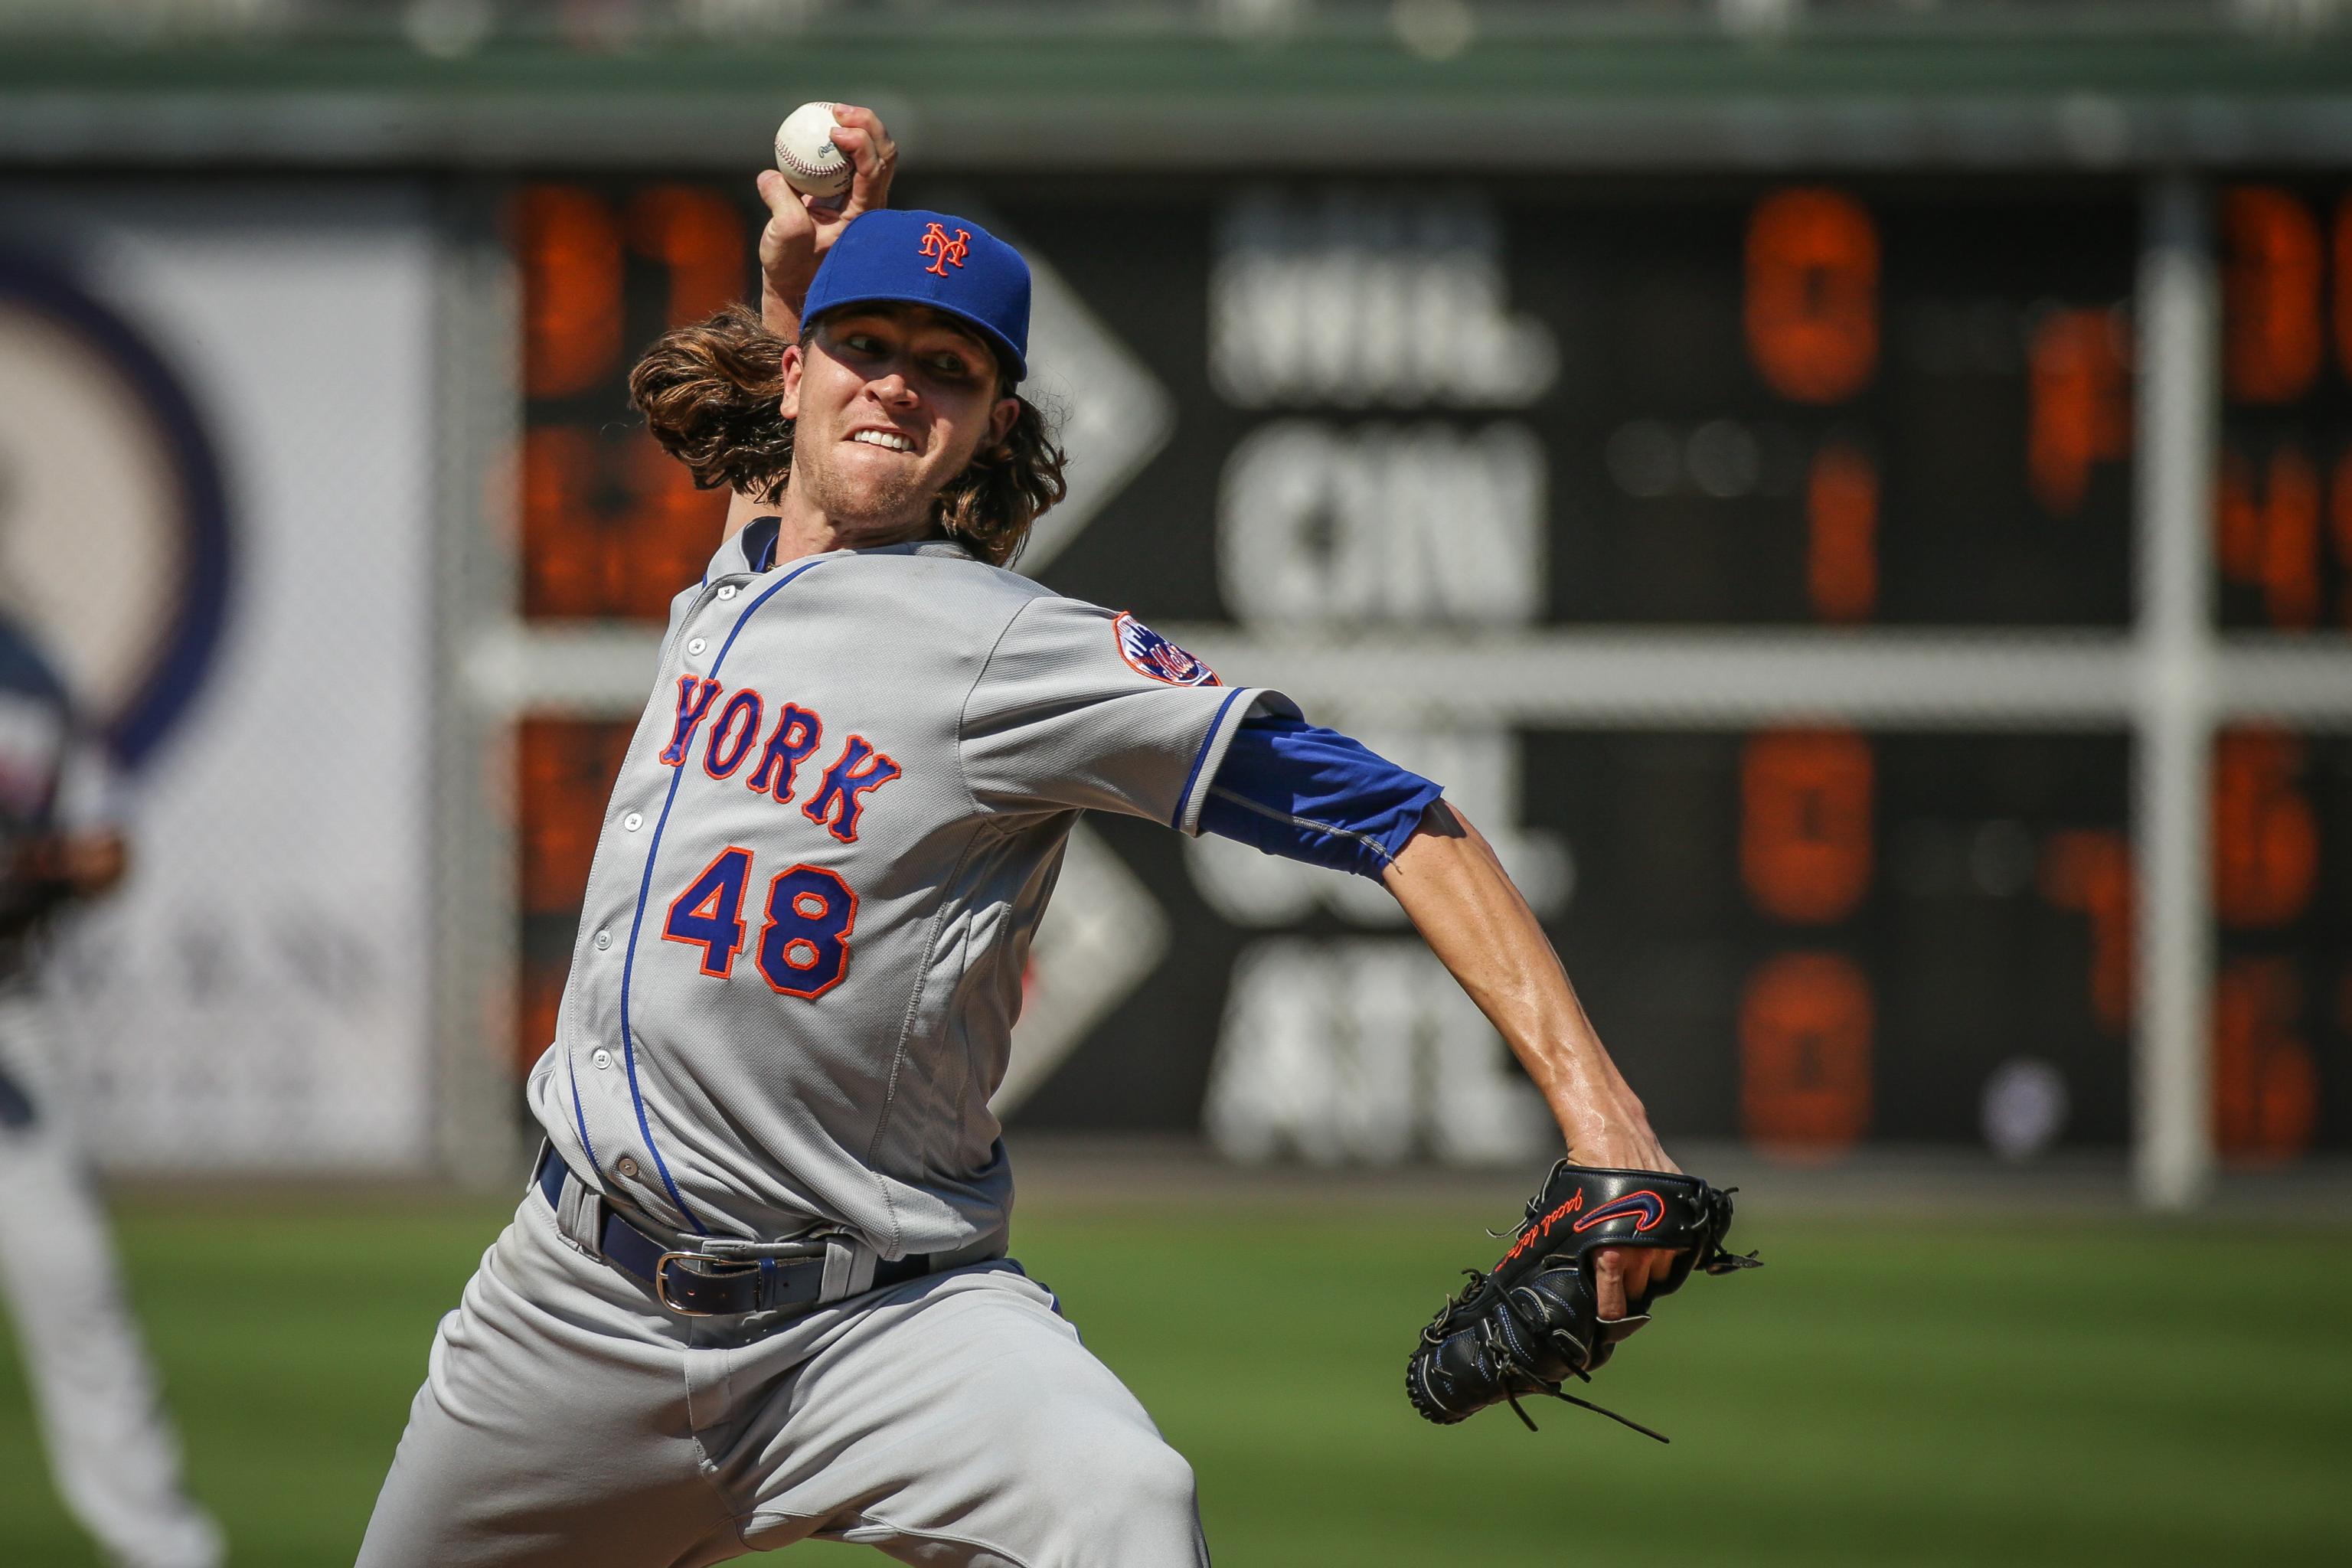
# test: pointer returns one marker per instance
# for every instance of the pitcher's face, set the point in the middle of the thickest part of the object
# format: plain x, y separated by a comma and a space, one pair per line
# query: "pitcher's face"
890, 402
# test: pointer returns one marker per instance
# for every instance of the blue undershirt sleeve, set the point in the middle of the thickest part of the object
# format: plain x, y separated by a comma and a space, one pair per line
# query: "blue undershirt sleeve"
1305, 793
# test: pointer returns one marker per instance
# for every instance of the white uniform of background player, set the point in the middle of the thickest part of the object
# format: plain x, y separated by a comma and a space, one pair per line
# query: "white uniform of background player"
110, 1444
758, 1290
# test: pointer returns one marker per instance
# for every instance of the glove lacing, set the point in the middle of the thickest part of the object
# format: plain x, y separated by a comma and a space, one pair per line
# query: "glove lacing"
1495, 1338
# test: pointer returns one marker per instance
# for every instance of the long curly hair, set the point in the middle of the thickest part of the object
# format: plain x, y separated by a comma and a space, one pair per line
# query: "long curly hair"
710, 393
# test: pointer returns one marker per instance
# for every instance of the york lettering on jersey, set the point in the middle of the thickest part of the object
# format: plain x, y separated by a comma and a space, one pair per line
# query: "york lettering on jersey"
732, 734
798, 733
840, 797
694, 699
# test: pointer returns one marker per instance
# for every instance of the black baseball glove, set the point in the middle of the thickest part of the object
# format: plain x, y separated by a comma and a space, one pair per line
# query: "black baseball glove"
1535, 1321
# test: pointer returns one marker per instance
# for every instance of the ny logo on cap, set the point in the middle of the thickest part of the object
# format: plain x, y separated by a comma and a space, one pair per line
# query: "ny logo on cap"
943, 250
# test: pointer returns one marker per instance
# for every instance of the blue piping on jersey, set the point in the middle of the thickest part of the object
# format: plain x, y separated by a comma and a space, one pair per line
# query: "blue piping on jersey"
580, 1115
1184, 794
645, 891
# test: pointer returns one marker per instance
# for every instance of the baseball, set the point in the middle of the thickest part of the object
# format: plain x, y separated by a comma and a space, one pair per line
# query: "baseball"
812, 164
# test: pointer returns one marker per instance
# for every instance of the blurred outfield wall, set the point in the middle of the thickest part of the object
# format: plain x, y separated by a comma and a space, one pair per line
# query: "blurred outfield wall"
1853, 498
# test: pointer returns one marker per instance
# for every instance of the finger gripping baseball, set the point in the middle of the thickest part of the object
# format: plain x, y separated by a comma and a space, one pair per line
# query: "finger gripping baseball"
1533, 1322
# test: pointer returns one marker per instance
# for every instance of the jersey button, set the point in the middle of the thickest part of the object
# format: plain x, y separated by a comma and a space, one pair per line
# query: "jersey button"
696, 647
727, 590
603, 1058
625, 1167
603, 939
634, 821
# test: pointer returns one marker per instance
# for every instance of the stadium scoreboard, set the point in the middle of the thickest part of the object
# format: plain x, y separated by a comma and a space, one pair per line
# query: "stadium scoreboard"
1550, 404
1731, 388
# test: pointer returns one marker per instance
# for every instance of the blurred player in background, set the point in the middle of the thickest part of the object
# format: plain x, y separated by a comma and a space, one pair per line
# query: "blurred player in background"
110, 1446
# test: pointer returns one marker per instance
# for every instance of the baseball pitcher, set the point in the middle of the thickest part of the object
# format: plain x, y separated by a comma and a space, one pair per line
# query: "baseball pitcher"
758, 1290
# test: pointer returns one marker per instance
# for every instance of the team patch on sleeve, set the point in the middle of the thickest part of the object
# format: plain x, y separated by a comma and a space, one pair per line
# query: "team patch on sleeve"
1150, 654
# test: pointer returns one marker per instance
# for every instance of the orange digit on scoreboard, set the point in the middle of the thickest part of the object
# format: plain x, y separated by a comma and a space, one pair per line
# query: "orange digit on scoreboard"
1812, 294
1805, 1025
2265, 836
538, 1004
2079, 393
2271, 292
565, 770
2268, 535
1805, 823
698, 235
570, 253
2265, 1082
1841, 533
2090, 871
562, 564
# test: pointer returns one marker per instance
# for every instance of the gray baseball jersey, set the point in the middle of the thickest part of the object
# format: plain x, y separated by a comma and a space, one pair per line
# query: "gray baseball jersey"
833, 834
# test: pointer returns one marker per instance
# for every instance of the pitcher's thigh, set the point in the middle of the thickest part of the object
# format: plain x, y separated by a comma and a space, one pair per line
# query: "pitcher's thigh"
540, 1441
964, 1422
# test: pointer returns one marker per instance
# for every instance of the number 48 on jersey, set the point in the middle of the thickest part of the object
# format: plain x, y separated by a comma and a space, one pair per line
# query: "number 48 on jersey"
804, 948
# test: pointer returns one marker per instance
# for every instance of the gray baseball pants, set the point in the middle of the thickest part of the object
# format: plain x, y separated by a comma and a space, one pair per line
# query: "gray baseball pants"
566, 1419
109, 1444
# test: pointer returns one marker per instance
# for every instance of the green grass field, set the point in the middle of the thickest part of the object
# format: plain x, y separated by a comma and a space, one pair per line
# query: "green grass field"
1886, 1392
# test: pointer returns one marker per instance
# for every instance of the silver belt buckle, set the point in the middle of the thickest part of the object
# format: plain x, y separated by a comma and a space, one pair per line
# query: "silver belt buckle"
726, 1269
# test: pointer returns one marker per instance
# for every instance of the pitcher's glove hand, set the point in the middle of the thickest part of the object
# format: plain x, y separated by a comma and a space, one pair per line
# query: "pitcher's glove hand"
1535, 1321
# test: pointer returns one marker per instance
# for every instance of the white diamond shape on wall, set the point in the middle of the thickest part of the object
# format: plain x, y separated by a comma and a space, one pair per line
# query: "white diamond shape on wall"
1101, 935
1114, 414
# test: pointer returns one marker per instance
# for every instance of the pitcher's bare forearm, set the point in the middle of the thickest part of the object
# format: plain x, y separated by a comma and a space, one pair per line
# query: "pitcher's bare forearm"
1465, 907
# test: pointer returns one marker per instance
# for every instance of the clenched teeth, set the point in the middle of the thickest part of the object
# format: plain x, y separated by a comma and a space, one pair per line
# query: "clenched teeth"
891, 440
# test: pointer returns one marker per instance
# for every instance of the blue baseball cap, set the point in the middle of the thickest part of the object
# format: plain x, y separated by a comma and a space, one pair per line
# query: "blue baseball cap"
951, 264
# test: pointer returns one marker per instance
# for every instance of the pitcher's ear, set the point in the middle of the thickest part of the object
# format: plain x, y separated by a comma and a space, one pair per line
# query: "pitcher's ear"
793, 362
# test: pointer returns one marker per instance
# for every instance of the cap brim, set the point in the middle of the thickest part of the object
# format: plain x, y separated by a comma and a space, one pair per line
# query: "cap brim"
1005, 352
